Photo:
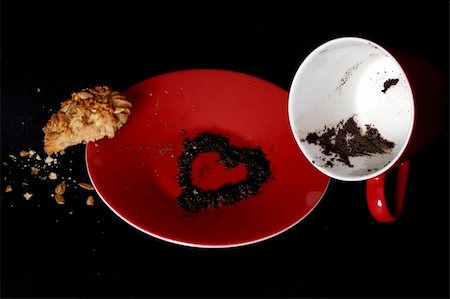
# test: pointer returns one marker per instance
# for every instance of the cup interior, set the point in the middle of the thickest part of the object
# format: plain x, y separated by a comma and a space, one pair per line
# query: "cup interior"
344, 85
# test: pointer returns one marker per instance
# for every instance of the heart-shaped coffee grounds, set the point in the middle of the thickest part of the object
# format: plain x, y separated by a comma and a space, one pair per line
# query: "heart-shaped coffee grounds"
193, 198
209, 172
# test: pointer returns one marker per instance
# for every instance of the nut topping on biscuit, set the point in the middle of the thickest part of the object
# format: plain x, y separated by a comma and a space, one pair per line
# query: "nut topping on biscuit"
89, 115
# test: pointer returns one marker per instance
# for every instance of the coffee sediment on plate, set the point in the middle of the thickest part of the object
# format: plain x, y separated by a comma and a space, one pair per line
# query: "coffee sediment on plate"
346, 140
194, 198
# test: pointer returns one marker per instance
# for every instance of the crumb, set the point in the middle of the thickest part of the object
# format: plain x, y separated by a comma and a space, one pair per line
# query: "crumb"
90, 201
59, 199
52, 176
48, 160
166, 149
34, 170
24, 153
27, 195
61, 188
86, 186
8, 188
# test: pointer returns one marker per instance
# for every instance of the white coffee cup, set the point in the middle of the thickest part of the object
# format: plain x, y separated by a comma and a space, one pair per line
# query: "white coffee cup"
342, 79
354, 79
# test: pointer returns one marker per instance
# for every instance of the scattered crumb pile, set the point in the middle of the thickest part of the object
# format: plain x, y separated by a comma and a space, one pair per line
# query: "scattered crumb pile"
89, 115
44, 170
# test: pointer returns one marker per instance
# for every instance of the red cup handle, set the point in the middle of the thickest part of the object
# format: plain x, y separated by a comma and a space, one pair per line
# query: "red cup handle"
376, 195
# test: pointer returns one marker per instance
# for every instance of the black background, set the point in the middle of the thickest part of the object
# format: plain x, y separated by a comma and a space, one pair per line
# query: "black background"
339, 250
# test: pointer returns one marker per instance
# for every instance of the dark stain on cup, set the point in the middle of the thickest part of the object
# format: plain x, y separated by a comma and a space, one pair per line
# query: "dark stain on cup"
388, 84
348, 73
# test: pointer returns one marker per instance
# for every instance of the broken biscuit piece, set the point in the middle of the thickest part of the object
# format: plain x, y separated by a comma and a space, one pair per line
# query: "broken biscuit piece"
61, 188
89, 115
86, 186
59, 198
90, 201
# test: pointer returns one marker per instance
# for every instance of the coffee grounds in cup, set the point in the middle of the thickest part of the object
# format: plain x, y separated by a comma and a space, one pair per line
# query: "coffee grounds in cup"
194, 198
346, 140
388, 83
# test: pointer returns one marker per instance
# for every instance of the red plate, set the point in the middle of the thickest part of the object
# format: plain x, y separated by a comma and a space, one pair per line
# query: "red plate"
135, 173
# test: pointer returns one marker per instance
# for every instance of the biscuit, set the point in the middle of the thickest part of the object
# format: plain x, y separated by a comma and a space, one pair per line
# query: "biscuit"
89, 115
